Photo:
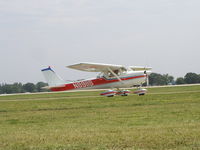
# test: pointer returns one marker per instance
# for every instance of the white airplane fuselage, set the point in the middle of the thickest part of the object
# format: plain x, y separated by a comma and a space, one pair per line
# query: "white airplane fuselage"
125, 80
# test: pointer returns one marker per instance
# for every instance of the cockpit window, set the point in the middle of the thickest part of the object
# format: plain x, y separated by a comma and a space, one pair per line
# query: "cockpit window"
109, 74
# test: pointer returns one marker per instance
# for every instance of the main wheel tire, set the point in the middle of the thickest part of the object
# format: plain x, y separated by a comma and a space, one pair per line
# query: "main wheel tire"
142, 94
110, 96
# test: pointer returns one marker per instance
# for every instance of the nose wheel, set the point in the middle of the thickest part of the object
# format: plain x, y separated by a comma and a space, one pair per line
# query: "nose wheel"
140, 91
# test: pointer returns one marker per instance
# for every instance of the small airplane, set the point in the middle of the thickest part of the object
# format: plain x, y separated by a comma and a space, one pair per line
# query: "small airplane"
110, 77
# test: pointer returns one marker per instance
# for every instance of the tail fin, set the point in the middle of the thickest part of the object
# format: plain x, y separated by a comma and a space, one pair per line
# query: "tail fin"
52, 78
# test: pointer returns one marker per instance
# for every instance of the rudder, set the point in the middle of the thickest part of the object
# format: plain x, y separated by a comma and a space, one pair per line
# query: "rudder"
52, 78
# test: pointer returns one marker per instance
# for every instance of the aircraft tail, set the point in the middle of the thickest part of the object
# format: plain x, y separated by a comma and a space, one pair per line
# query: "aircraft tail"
52, 78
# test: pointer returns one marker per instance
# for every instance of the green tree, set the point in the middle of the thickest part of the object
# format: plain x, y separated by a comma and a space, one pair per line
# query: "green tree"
17, 88
199, 78
156, 79
29, 87
1, 89
191, 78
7, 89
40, 85
180, 80
168, 79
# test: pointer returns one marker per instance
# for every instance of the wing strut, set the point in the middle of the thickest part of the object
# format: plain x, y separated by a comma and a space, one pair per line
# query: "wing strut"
114, 74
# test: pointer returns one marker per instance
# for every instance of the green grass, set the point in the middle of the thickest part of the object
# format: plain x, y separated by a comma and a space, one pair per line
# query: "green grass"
166, 118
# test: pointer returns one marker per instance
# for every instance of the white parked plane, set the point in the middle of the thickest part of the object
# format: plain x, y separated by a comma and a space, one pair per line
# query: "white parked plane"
110, 77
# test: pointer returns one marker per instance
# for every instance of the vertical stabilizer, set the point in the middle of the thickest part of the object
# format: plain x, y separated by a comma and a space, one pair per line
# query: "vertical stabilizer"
51, 77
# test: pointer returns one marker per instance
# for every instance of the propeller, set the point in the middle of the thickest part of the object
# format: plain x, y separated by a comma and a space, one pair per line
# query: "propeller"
147, 77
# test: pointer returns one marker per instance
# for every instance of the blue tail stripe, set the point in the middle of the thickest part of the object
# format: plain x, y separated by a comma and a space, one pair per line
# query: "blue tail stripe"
46, 69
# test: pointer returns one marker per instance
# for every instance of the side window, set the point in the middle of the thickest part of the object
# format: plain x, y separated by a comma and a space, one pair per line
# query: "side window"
116, 72
110, 75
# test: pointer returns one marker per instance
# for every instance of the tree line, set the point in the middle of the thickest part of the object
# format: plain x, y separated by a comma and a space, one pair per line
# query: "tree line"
154, 79
166, 79
22, 88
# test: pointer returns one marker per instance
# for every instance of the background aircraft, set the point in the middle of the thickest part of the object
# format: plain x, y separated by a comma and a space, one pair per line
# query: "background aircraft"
110, 77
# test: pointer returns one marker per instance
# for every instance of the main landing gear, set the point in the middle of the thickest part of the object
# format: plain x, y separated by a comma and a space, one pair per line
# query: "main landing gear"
111, 93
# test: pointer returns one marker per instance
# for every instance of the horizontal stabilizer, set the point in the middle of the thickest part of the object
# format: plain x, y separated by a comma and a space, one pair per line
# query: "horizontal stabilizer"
50, 87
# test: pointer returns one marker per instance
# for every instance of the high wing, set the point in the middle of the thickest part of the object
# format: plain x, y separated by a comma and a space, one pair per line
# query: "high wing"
139, 68
96, 67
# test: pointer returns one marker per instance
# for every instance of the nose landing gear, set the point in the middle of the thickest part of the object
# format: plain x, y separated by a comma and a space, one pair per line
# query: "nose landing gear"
140, 91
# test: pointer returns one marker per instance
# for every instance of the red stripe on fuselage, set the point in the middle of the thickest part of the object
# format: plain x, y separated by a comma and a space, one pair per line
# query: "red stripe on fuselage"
95, 82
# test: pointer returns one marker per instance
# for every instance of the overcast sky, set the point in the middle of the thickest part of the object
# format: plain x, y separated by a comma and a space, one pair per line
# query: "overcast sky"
34, 34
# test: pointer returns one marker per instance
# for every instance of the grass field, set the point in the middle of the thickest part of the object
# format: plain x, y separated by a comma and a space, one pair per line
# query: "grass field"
166, 118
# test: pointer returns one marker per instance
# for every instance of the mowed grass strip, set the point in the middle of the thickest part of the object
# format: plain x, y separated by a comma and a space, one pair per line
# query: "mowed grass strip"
155, 121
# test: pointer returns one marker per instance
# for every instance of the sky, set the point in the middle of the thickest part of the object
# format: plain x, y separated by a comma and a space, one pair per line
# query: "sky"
34, 34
